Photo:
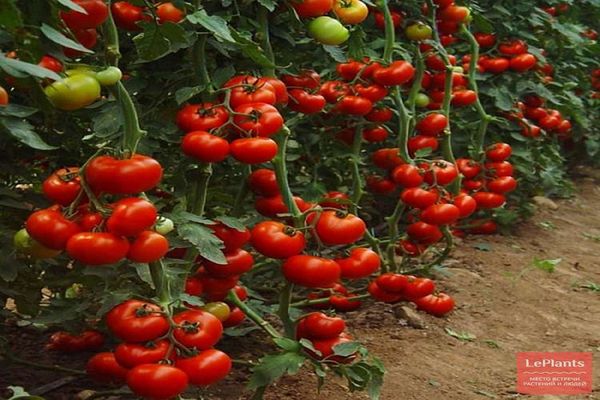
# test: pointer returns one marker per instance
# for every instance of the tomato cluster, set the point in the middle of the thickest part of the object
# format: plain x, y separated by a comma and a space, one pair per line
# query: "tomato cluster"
127, 16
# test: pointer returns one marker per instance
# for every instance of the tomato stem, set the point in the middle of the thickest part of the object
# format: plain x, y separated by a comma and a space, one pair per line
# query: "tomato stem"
199, 62
393, 221
263, 22
325, 300
242, 193
285, 299
403, 126
447, 250
200, 187
282, 179
253, 315
160, 281
390, 34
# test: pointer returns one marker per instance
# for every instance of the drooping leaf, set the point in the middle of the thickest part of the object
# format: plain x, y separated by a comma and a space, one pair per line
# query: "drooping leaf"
212, 23
22, 69
204, 240
58, 38
23, 131
272, 367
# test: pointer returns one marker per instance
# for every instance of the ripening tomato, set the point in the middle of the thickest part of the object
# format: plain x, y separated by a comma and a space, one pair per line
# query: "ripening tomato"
498, 152
392, 283
417, 197
328, 31
259, 119
128, 176
417, 288
63, 186
219, 309
74, 92
205, 368
205, 147
361, 263
130, 355
354, 105
96, 12
201, 117
276, 240
97, 248
485, 40
26, 245
254, 150
381, 295
502, 184
127, 15
440, 172
466, 205
440, 214
51, 229
302, 101
3, 96
420, 142
103, 367
487, 200
432, 125
156, 381
418, 32
311, 271
513, 48
424, 233
334, 228
312, 8
350, 12
148, 246
168, 12
435, 304
232, 238
407, 176
135, 321
523, 62
238, 262
396, 73
319, 326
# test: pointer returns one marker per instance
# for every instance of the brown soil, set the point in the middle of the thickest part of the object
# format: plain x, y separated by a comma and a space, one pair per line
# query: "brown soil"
508, 305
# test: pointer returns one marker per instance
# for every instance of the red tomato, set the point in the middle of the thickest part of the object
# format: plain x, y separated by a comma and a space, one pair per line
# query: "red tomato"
259, 119
333, 90
63, 186
436, 63
435, 304
238, 262
354, 105
326, 348
304, 102
503, 168
485, 39
201, 117
468, 168
255, 150
272, 206
387, 158
376, 134
281, 94
432, 125
380, 20
483, 227
417, 197
232, 238
307, 79
276, 240
263, 182
205, 147
380, 185
424, 233
127, 15
373, 92
3, 96
97, 248
466, 205
249, 89
417, 288
454, 13
103, 367
311, 271
167, 12
523, 62
381, 295
148, 246
440, 172
86, 37
349, 70
51, 63
96, 14
312, 8
319, 326
392, 283
131, 354
513, 48
344, 303
462, 98
361, 263
130, 216
51, 229
420, 142
488, 200
502, 184
407, 176
330, 200
236, 317
129, 176
382, 114
135, 321
334, 228
157, 381
198, 329
205, 368
440, 214
193, 286
396, 73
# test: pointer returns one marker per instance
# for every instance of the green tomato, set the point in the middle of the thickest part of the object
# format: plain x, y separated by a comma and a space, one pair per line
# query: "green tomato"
24, 244
73, 291
218, 309
327, 30
76, 91
110, 76
418, 32
422, 100
163, 225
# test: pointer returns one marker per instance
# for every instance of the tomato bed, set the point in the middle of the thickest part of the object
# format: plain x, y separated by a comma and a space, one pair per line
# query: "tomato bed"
181, 174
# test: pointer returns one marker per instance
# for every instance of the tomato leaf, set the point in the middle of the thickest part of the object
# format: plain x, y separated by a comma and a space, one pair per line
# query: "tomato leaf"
287, 344
268, 4
23, 131
307, 344
191, 300
336, 53
159, 40
464, 336
73, 6
232, 222
546, 265
252, 50
185, 93
212, 23
346, 349
58, 38
16, 110
208, 245
272, 367
21, 69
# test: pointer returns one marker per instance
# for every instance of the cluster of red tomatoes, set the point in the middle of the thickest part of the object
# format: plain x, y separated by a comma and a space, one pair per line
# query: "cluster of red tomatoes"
532, 117
325, 333
392, 288
88, 340
84, 25
94, 233
512, 55
160, 356
127, 15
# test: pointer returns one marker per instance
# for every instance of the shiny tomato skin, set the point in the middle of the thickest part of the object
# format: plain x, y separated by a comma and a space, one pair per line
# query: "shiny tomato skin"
103, 367
328, 31
435, 304
440, 172
304, 102
232, 238
503, 184
381, 295
306, 79
167, 12
468, 168
361, 263
354, 105
127, 15
131, 354
373, 92
319, 326
376, 134
383, 114
387, 158
275, 240
417, 197
129, 176
156, 381
63, 186
344, 303
466, 205
392, 283
498, 152
432, 125
333, 228
440, 214
136, 321
424, 233
503, 168
326, 348
205, 147
523, 62
420, 142
97, 248
201, 117
312, 8
148, 246
255, 150
205, 368
462, 98
279, 88
252, 90
350, 12
198, 329
238, 262
51, 229
51, 63
488, 200
259, 119
263, 182
407, 176
236, 317
131, 216
311, 271
485, 39
333, 90
96, 14
513, 48
397, 73
417, 288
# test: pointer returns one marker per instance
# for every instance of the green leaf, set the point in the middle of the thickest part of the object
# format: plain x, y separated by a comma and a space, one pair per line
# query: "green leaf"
21, 69
58, 38
23, 132
268, 4
10, 16
192, 300
546, 265
18, 393
143, 271
252, 50
73, 6
232, 222
9, 266
208, 245
336, 53
346, 349
287, 344
212, 23
185, 93
464, 336
16, 110
272, 367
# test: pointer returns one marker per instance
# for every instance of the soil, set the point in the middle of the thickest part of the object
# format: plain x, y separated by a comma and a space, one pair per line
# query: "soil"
505, 302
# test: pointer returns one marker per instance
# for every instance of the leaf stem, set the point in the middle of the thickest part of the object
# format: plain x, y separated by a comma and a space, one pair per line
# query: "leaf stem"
253, 315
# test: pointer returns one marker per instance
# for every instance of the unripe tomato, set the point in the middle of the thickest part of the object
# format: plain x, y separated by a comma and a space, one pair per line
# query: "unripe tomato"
164, 225
350, 12
418, 32
327, 30
25, 245
110, 76
219, 309
422, 100
73, 92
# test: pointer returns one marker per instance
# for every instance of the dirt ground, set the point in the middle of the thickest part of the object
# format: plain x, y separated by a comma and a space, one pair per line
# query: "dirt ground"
502, 300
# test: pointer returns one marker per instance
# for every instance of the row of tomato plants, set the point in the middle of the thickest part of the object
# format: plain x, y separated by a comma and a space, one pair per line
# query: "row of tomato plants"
353, 235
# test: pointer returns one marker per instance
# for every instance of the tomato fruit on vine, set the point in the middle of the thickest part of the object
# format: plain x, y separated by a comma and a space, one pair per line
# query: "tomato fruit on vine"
327, 30
73, 92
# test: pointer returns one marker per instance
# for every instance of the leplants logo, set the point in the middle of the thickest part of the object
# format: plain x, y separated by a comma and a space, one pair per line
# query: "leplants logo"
560, 373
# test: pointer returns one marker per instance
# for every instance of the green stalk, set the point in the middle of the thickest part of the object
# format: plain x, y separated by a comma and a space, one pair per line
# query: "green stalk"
393, 221
111, 38
201, 189
263, 22
201, 74
285, 300
161, 284
282, 178
325, 300
403, 126
253, 315
390, 34
238, 203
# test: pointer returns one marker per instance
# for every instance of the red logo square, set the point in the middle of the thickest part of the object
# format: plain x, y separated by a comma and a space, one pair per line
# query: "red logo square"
554, 373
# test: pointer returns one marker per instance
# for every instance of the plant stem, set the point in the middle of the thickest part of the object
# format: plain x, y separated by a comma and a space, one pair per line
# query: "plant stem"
133, 133
201, 189
238, 204
111, 38
393, 221
199, 62
263, 21
282, 179
403, 126
161, 284
324, 300
447, 250
253, 315
390, 34
285, 299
